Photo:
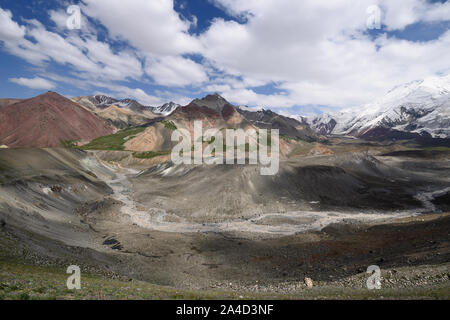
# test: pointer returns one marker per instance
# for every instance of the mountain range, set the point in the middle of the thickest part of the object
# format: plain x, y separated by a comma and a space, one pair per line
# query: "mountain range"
293, 127
414, 110
103, 102
418, 110
216, 112
123, 113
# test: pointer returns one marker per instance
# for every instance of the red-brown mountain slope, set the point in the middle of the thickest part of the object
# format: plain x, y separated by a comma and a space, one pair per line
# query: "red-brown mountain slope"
8, 102
47, 120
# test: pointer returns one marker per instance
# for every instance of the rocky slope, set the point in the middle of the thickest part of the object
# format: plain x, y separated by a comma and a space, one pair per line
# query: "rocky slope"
291, 127
48, 120
8, 102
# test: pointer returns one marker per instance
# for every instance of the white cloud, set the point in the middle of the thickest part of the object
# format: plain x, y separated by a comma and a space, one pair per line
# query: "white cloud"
115, 66
438, 12
60, 18
138, 94
151, 26
34, 83
9, 30
176, 71
399, 14
318, 51
89, 57
12, 35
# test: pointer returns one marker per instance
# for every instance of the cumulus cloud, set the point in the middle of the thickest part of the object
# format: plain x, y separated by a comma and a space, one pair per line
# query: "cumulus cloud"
399, 14
155, 30
176, 71
9, 30
158, 33
151, 26
89, 57
133, 93
12, 35
60, 18
319, 51
34, 83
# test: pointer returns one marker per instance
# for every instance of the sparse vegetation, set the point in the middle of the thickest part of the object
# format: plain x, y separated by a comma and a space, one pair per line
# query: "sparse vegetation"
3, 165
169, 125
289, 139
69, 144
26, 282
438, 149
114, 141
150, 154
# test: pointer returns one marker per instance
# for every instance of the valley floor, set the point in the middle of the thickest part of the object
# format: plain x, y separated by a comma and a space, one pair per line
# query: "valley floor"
64, 207
424, 275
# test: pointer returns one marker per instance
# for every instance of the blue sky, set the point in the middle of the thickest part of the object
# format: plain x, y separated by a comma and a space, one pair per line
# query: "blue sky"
277, 54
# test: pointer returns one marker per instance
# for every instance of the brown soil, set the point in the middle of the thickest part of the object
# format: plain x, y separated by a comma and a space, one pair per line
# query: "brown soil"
46, 121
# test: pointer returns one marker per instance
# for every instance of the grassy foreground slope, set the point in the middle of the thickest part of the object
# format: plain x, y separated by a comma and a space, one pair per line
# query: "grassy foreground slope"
22, 279
26, 282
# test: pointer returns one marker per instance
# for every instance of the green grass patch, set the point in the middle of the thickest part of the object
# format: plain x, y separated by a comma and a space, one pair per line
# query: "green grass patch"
169, 125
437, 149
4, 166
150, 154
26, 282
289, 138
69, 144
114, 141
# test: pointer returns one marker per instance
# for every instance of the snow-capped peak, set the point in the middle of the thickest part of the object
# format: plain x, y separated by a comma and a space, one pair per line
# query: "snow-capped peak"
414, 107
251, 109
166, 109
103, 100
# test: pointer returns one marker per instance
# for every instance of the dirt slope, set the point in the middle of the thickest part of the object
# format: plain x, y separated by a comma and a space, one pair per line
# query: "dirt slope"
8, 102
46, 121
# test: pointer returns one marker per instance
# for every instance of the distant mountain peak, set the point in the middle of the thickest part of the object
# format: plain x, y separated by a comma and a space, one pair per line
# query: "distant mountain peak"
103, 100
413, 108
214, 96
166, 109
212, 101
250, 109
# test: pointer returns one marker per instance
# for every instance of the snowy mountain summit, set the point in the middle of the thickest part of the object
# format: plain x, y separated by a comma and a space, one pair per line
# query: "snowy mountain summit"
416, 108
103, 102
166, 109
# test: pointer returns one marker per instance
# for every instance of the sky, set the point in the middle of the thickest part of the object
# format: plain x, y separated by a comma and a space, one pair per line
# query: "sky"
294, 57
